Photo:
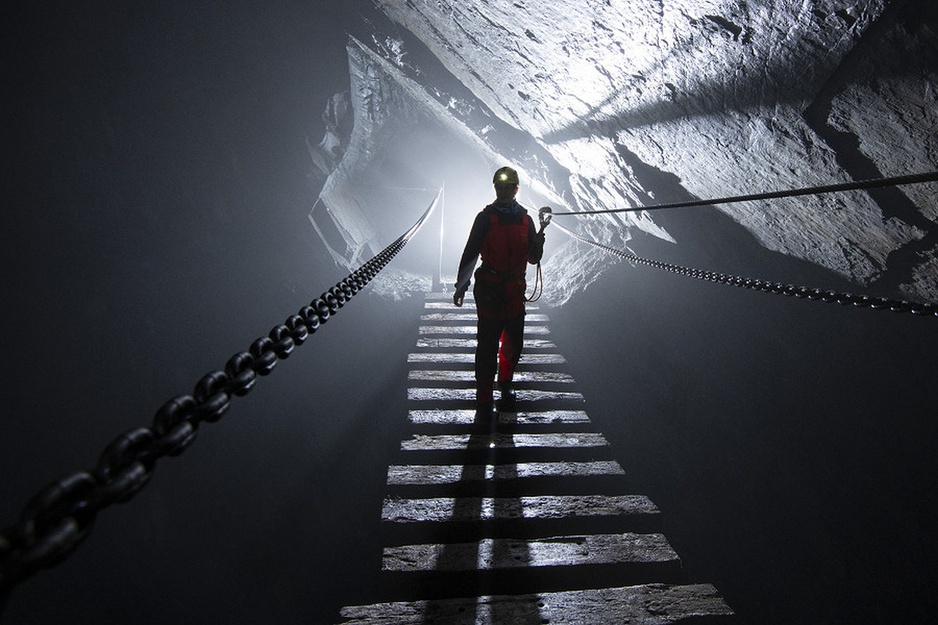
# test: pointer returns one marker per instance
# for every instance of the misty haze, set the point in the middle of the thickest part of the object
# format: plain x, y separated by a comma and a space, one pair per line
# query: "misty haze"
185, 176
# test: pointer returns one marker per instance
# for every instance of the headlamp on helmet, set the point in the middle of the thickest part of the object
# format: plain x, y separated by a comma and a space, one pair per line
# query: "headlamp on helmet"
506, 176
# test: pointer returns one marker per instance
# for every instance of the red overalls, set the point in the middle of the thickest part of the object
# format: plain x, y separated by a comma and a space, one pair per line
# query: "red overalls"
499, 296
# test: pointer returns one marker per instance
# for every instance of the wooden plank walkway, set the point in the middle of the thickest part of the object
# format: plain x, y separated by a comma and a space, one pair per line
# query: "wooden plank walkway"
519, 518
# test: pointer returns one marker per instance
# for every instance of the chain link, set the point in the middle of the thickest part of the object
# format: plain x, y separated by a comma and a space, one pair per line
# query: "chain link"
789, 290
56, 520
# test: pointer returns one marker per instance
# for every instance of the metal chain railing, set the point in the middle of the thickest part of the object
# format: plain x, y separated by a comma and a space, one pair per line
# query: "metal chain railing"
58, 518
789, 290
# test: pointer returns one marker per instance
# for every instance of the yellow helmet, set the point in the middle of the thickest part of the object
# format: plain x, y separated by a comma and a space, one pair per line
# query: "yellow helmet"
505, 175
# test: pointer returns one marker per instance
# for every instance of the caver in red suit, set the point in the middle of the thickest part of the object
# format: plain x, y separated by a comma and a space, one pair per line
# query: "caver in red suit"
503, 234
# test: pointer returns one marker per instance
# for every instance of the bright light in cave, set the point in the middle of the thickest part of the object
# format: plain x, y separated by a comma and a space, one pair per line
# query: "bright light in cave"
396, 187
403, 147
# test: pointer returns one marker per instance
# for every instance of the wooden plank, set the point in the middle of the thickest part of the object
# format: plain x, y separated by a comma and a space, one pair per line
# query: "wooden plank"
522, 417
442, 301
435, 474
446, 297
443, 296
445, 343
471, 316
447, 375
469, 394
528, 417
471, 330
648, 604
557, 440
474, 509
510, 553
469, 358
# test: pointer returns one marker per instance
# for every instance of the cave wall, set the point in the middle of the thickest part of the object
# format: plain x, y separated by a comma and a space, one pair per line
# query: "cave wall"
730, 98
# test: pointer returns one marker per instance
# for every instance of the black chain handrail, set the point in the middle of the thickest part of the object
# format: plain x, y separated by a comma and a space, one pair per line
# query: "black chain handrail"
789, 290
57, 519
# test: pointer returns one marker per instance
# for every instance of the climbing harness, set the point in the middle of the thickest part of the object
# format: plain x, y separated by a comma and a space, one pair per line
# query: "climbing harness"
60, 516
543, 216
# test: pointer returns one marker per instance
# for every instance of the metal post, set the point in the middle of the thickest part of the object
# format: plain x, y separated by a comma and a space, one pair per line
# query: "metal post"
438, 277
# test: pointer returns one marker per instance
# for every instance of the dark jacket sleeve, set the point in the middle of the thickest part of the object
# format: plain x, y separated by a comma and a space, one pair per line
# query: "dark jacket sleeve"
470, 255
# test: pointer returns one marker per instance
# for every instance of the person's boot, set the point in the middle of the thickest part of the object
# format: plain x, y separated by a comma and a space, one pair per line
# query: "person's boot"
506, 403
484, 398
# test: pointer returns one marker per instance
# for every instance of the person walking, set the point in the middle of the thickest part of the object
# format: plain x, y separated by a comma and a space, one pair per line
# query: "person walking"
503, 234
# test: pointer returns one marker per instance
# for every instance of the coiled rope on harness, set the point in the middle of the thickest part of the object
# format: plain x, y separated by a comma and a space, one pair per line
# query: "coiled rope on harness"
538, 286
815, 294
544, 214
56, 520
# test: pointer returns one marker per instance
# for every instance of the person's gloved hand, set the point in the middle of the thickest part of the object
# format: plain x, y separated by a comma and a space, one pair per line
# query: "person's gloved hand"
457, 298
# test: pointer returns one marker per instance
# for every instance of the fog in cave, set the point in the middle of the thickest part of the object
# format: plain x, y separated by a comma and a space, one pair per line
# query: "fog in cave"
158, 182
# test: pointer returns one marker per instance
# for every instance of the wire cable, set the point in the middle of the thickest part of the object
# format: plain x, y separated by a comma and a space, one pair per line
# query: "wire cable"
789, 290
831, 188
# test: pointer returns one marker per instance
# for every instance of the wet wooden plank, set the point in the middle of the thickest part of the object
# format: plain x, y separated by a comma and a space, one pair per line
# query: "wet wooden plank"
525, 417
474, 509
447, 297
648, 604
467, 417
471, 330
510, 553
445, 343
444, 375
446, 300
469, 358
559, 440
436, 474
440, 304
471, 316
469, 394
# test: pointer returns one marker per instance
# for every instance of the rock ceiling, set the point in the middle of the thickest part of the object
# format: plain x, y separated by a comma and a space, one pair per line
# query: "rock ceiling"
729, 97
